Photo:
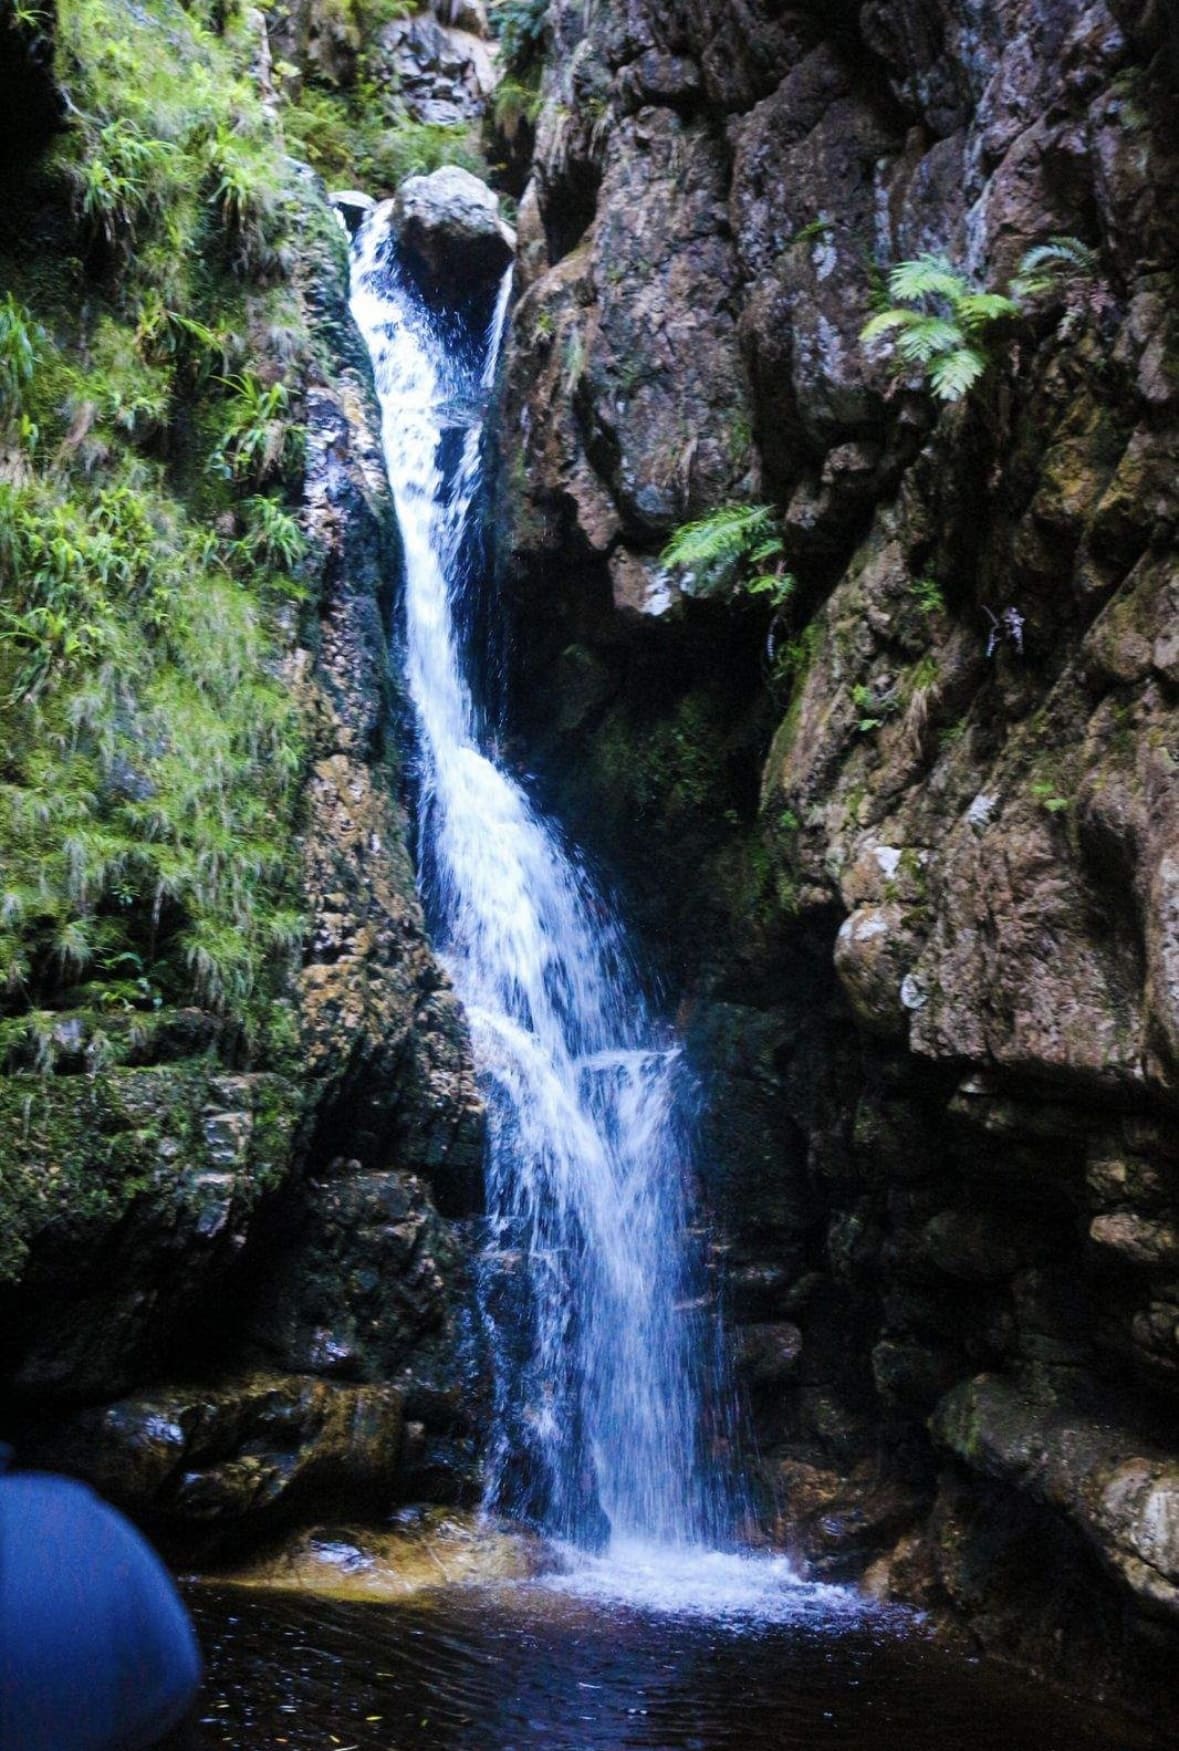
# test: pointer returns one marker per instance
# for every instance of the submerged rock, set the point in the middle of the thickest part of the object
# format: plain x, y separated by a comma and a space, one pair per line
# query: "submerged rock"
424, 1551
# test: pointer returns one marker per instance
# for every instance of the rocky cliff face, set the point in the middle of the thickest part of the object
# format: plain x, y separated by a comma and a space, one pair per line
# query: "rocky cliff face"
235, 1268
916, 876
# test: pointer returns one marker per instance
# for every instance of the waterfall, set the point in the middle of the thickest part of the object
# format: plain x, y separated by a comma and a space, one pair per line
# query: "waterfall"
604, 1348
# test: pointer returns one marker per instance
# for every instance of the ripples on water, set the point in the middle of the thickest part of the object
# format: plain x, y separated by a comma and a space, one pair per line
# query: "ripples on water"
568, 1665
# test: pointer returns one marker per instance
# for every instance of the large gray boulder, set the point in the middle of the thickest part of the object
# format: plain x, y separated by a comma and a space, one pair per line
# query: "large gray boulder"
449, 226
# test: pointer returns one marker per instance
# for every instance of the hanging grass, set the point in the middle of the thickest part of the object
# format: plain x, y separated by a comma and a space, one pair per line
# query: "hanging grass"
149, 548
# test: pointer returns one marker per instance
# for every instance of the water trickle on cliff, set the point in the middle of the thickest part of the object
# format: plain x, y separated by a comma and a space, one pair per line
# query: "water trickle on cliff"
606, 1389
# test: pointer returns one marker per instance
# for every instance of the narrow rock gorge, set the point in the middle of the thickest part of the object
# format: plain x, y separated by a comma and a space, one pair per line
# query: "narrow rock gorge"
912, 873
898, 830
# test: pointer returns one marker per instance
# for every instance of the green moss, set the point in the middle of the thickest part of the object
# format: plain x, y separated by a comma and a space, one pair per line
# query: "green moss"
80, 1151
791, 667
668, 773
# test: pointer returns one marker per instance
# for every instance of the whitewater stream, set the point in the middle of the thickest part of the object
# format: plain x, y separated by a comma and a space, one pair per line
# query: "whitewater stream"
606, 1381
614, 1429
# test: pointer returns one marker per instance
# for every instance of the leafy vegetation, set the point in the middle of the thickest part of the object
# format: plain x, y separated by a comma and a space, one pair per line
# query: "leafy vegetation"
356, 130
147, 549
359, 137
939, 324
519, 25
20, 346
1046, 795
871, 707
927, 594
514, 104
1061, 261
736, 549
944, 328
258, 442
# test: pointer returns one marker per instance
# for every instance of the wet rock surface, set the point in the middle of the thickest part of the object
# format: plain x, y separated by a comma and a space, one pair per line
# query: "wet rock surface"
448, 225
426, 1549
906, 852
443, 69
209, 1466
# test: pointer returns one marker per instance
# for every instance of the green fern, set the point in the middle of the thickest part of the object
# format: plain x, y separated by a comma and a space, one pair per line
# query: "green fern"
714, 550
519, 25
515, 103
738, 549
21, 341
938, 324
1048, 266
927, 594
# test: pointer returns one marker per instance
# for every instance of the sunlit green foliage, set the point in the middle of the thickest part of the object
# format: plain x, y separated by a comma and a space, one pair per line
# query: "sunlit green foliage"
258, 443
939, 325
351, 138
515, 102
360, 133
149, 440
21, 340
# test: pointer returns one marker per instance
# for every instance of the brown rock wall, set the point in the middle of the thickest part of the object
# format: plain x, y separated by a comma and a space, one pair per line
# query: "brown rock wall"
932, 975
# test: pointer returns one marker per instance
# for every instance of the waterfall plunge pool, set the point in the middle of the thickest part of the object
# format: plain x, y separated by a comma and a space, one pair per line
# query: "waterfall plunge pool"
595, 1661
610, 1397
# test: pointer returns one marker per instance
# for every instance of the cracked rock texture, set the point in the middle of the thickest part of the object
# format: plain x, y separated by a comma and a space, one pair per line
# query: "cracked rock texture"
911, 855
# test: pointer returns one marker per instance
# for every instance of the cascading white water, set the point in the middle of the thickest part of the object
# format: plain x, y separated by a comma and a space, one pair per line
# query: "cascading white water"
602, 1350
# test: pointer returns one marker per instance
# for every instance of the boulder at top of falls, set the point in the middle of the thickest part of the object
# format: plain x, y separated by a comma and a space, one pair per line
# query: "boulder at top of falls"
448, 224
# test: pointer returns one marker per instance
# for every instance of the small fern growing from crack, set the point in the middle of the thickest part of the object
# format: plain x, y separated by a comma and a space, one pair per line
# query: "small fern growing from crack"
1060, 262
942, 326
939, 324
737, 547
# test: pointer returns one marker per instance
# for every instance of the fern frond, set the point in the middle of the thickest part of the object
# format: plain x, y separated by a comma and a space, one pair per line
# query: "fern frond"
978, 310
886, 321
928, 276
928, 338
1059, 253
720, 539
951, 376
1043, 267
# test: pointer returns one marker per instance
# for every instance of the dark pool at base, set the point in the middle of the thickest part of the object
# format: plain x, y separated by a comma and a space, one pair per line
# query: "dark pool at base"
496, 1669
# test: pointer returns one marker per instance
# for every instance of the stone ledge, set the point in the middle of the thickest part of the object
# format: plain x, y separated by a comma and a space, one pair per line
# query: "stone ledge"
1120, 1492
